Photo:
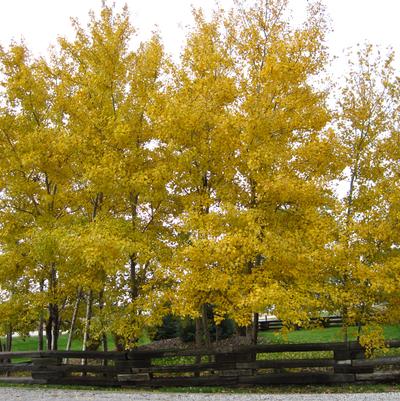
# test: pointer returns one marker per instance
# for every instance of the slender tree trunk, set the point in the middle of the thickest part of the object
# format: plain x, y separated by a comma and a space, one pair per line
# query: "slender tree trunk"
217, 333
206, 331
9, 339
345, 325
48, 330
40, 332
56, 328
41, 322
88, 318
9, 344
103, 336
73, 319
199, 341
254, 332
53, 321
198, 334
132, 276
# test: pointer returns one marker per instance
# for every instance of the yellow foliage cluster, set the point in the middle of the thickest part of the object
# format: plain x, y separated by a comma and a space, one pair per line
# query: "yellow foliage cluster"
146, 186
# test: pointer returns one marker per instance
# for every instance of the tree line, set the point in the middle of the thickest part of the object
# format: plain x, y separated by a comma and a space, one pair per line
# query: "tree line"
239, 178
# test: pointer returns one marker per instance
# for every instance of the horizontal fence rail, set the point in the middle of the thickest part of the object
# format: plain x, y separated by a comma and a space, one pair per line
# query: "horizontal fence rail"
276, 324
320, 363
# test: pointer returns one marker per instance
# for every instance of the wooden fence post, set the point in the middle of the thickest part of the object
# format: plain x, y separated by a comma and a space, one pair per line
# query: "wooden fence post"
131, 368
344, 359
235, 364
44, 368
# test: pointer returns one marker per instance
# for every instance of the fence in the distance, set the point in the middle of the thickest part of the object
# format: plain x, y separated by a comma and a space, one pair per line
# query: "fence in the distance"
276, 324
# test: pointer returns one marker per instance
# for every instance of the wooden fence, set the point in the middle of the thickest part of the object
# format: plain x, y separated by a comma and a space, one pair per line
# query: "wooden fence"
276, 324
250, 365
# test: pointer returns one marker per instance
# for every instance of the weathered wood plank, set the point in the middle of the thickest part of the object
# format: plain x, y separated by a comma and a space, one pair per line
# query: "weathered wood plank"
297, 378
115, 355
86, 381
181, 368
133, 377
79, 368
20, 367
379, 376
286, 363
390, 360
189, 381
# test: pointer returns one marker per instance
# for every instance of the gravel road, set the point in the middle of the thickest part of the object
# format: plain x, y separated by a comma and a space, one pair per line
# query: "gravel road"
22, 394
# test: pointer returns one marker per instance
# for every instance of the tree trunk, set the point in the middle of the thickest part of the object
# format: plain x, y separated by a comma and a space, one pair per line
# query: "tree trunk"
217, 333
49, 332
199, 341
88, 318
103, 336
132, 277
345, 324
40, 333
52, 327
53, 322
41, 323
206, 331
254, 332
9, 344
73, 319
9, 339
198, 335
55, 328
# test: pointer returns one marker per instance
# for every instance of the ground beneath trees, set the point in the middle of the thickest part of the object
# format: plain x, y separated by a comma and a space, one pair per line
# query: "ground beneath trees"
227, 344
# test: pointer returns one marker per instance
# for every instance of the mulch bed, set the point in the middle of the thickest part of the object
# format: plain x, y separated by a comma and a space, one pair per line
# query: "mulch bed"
228, 344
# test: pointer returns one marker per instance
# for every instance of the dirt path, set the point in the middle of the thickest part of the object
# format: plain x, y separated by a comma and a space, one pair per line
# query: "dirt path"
23, 394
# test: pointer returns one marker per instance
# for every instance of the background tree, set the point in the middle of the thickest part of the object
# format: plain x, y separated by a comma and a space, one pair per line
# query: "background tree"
366, 117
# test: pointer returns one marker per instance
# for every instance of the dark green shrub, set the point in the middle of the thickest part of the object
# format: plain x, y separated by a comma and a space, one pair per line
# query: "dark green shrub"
170, 328
187, 330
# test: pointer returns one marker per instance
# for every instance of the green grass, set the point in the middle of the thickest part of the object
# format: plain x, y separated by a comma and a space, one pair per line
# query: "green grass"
306, 389
332, 334
30, 343
322, 335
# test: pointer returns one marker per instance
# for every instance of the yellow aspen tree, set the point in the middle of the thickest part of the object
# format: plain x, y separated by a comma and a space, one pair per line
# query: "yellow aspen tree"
386, 227
111, 99
366, 119
34, 179
285, 160
200, 137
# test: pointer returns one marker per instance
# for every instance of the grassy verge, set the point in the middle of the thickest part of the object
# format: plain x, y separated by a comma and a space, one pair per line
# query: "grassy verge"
322, 335
30, 343
308, 389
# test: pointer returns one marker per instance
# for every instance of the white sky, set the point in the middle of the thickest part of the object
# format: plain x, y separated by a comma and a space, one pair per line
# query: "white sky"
39, 22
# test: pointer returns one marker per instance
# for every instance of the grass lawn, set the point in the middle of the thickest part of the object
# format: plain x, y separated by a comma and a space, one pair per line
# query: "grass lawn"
322, 335
332, 334
31, 343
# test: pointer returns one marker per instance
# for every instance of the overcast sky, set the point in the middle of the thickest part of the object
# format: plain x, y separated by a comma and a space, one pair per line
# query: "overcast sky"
39, 22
